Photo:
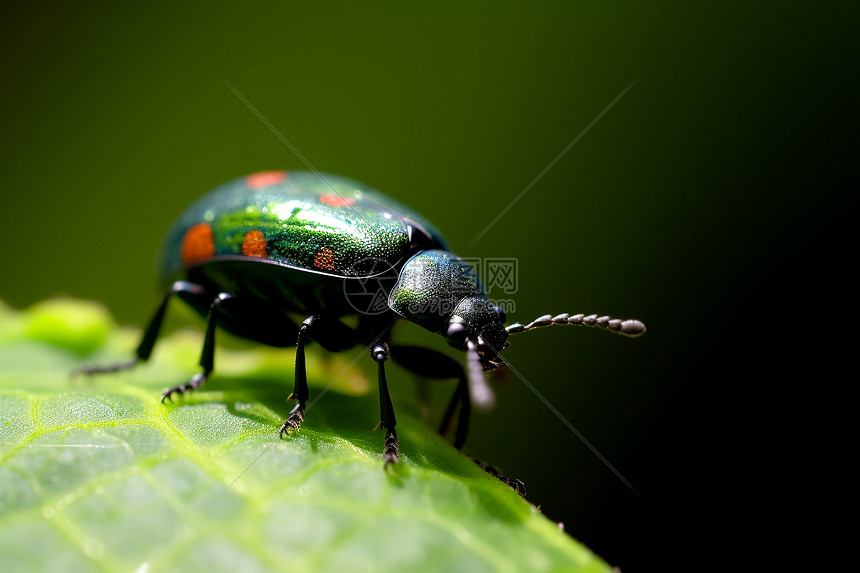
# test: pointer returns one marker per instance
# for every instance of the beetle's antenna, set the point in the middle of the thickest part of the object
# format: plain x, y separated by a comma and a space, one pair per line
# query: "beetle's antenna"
629, 327
480, 392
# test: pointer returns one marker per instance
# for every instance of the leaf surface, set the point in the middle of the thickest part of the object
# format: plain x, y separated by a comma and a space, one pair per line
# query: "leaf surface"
97, 475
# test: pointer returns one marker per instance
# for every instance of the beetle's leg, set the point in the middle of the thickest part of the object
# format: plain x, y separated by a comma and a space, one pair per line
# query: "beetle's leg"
186, 291
461, 395
332, 335
379, 352
207, 356
514, 483
300, 390
433, 364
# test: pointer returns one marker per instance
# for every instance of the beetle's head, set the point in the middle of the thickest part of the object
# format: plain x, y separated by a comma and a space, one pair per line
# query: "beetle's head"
442, 292
478, 321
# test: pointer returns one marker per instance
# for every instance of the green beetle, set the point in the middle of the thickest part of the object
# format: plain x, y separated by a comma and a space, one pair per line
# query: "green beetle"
258, 254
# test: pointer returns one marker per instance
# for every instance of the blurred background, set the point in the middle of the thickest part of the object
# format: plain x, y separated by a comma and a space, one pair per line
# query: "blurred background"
707, 202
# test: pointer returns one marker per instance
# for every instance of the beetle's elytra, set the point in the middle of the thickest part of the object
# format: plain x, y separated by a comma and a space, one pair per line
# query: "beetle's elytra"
281, 257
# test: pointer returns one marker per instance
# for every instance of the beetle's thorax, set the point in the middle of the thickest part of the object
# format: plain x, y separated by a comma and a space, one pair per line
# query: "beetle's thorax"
441, 292
430, 287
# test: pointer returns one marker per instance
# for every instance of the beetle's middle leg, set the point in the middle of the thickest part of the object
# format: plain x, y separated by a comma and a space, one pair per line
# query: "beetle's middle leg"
332, 335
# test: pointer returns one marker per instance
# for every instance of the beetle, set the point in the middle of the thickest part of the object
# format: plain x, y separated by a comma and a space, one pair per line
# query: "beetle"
282, 257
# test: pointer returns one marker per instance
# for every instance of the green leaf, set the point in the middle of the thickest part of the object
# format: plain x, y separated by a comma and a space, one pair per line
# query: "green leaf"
97, 475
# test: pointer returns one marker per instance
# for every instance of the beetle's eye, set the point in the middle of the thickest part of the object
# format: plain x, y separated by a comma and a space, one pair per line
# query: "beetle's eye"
456, 334
502, 314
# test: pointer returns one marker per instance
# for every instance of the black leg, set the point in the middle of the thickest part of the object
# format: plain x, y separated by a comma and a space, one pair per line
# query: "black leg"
207, 356
335, 336
379, 352
190, 292
300, 390
432, 364
514, 483
461, 395
332, 335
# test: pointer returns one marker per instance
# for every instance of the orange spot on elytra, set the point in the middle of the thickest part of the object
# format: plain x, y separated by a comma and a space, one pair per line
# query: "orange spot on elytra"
198, 244
265, 178
324, 259
337, 200
254, 245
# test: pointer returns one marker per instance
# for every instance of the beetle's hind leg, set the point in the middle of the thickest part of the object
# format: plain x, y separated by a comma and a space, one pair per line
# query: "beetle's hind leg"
187, 291
207, 356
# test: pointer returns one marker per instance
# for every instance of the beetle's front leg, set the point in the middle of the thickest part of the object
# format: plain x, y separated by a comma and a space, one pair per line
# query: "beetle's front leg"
379, 353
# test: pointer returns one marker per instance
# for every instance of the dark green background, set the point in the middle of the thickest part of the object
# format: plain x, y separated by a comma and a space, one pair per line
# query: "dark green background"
704, 203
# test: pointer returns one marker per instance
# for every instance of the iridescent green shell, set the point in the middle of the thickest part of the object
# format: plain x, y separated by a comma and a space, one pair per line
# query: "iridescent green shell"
431, 285
317, 223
